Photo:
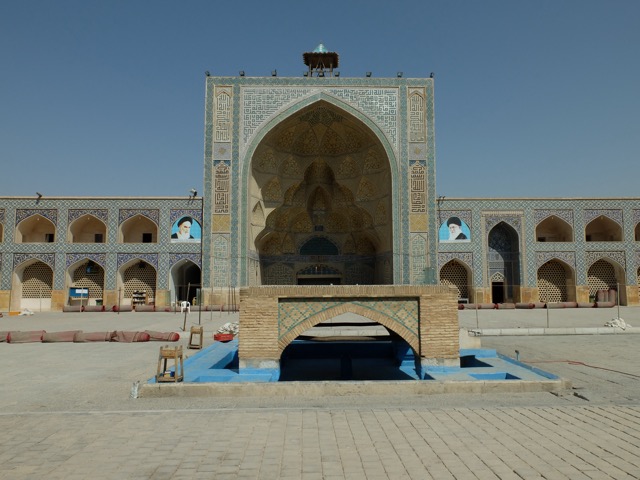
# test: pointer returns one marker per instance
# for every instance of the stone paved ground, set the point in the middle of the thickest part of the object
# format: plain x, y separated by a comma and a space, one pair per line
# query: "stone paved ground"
65, 412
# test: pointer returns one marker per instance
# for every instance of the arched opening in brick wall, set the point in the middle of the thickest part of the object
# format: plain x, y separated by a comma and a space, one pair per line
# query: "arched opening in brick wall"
88, 275
87, 229
603, 229
319, 178
136, 283
32, 283
35, 229
458, 275
503, 258
138, 229
348, 342
556, 282
608, 276
554, 229
185, 281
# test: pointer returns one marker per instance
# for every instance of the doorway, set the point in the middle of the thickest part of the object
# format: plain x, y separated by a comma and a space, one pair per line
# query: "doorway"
185, 281
497, 292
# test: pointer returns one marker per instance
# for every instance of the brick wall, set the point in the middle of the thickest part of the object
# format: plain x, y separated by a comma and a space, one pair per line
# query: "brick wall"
261, 338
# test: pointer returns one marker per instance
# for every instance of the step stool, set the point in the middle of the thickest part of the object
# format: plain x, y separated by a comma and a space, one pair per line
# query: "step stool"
164, 374
198, 333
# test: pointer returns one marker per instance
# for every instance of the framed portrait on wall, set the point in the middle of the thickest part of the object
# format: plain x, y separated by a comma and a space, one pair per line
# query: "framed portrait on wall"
186, 229
454, 230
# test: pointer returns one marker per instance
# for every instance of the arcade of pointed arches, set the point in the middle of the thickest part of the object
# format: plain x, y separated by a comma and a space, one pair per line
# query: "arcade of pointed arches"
86, 229
556, 280
32, 282
309, 219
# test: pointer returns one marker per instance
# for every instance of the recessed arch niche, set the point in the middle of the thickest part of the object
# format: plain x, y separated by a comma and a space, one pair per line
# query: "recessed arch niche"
457, 274
321, 177
86, 274
604, 277
503, 257
556, 282
87, 229
35, 229
136, 278
185, 281
32, 284
603, 229
138, 229
554, 229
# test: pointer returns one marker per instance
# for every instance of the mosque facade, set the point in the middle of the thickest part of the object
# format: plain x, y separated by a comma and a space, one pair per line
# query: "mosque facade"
315, 180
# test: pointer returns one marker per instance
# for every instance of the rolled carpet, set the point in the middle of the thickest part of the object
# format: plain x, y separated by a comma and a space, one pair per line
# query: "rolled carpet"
145, 308
586, 305
25, 337
525, 305
570, 304
122, 308
53, 337
94, 308
82, 337
487, 306
604, 304
163, 336
506, 306
72, 308
555, 305
129, 337
479, 306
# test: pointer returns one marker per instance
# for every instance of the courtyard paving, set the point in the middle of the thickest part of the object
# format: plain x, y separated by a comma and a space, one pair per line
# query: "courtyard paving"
66, 412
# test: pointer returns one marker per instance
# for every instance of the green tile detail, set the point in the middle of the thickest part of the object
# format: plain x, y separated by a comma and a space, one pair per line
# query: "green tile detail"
292, 313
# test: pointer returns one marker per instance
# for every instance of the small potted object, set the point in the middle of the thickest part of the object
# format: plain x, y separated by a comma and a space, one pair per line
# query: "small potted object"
226, 332
223, 337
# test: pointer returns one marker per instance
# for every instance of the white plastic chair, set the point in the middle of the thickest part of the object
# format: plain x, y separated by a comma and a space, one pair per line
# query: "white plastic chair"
185, 306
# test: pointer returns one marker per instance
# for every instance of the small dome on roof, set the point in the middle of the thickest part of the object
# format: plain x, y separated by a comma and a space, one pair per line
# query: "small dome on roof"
320, 49
320, 59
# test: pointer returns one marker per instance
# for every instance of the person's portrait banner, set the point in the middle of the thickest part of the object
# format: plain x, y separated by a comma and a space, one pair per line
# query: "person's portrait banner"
454, 230
186, 229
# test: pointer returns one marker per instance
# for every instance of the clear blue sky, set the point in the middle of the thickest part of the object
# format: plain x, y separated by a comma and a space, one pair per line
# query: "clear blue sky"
533, 98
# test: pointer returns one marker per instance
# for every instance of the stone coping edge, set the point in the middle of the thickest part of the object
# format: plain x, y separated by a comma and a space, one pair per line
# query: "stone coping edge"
337, 388
493, 332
